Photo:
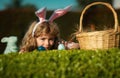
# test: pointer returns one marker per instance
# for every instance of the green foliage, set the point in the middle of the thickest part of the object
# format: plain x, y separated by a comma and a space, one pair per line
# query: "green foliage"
61, 64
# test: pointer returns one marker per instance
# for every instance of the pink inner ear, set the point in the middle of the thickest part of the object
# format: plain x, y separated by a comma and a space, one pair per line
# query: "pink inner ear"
41, 14
59, 12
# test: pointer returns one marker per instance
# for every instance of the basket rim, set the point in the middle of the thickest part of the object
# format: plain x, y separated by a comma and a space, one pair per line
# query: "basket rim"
110, 32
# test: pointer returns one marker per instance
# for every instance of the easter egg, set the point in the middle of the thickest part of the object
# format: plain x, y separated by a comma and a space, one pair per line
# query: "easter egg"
61, 47
41, 48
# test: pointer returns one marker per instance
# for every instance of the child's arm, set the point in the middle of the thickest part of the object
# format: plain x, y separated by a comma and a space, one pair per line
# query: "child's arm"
71, 45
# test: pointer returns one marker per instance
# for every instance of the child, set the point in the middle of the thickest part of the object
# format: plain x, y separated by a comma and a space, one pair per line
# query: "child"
43, 33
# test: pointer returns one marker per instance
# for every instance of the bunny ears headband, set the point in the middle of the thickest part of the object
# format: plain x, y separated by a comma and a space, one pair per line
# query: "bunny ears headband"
41, 14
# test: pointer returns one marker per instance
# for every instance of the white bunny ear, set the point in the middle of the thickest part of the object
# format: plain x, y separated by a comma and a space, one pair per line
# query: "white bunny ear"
4, 39
41, 14
59, 12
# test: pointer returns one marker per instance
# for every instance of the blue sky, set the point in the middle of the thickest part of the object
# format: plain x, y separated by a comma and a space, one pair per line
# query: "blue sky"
50, 4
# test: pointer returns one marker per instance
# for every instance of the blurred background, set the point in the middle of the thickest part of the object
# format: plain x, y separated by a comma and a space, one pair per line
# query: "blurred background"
17, 15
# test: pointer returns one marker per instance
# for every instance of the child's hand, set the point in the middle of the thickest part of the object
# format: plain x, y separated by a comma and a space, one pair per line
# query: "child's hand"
70, 45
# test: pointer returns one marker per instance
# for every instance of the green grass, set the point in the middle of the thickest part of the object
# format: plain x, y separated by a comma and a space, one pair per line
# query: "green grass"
61, 64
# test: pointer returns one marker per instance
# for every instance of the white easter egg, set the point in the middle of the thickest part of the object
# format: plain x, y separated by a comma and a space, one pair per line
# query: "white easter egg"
61, 47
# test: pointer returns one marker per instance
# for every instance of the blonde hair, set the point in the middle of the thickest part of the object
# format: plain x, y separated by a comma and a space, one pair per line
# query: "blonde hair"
29, 41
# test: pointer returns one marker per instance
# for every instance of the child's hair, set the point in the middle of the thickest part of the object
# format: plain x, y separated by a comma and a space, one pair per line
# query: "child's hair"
29, 42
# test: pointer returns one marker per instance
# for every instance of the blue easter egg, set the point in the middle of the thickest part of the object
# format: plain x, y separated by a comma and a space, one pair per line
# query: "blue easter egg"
61, 47
41, 48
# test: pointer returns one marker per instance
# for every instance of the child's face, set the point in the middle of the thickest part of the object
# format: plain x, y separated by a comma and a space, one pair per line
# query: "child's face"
46, 41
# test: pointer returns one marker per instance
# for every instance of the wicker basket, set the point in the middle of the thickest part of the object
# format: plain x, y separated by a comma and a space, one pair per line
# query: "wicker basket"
104, 39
